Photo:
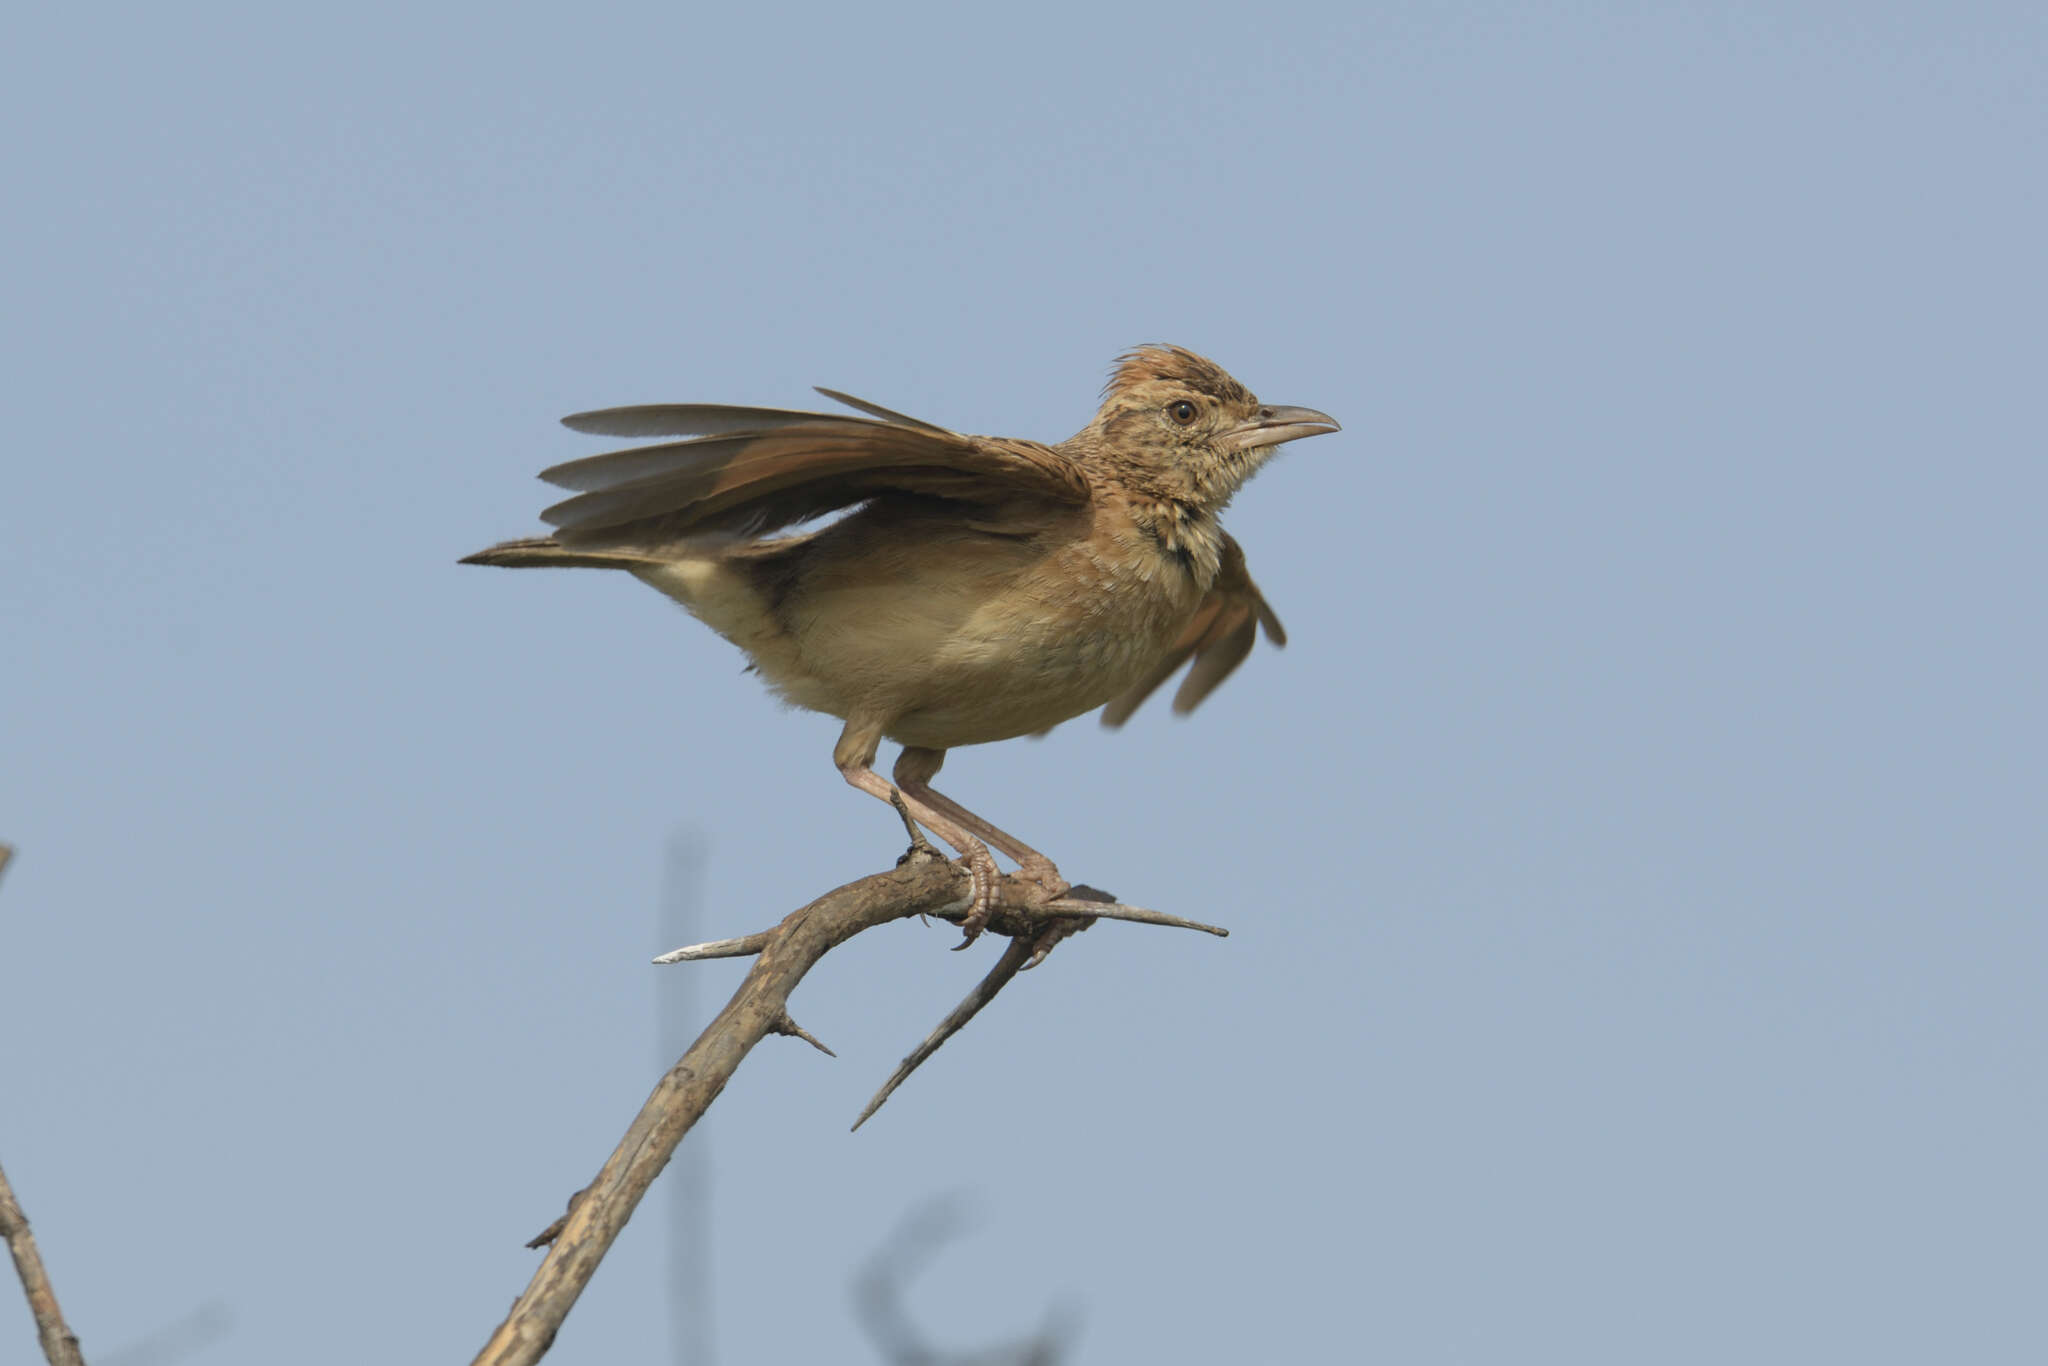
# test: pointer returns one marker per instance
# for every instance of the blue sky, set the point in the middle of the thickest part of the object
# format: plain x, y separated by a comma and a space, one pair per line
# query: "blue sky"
1634, 860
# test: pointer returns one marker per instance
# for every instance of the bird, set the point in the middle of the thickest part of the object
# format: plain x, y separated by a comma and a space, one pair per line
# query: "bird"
940, 589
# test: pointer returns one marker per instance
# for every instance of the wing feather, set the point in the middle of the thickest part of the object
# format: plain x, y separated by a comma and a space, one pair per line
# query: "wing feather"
1225, 647
1218, 638
685, 419
877, 410
1120, 708
754, 470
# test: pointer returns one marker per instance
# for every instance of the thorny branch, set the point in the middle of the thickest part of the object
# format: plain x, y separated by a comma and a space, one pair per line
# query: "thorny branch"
921, 884
1022, 955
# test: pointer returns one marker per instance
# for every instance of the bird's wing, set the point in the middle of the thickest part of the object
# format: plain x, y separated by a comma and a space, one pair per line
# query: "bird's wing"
753, 470
1219, 637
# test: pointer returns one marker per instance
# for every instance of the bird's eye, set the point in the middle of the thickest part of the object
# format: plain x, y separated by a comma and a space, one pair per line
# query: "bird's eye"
1182, 412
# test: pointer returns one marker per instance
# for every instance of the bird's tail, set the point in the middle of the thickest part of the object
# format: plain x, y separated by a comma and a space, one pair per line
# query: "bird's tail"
724, 592
545, 552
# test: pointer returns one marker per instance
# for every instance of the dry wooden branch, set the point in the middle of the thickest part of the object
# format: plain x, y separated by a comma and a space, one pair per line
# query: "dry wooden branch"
1008, 966
60, 1344
746, 946
681, 1097
922, 884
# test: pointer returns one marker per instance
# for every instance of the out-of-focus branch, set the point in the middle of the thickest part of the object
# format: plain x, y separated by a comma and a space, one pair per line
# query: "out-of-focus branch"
181, 1338
879, 1298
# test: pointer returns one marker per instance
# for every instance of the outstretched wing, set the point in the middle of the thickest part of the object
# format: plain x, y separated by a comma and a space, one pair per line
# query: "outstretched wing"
1218, 638
754, 470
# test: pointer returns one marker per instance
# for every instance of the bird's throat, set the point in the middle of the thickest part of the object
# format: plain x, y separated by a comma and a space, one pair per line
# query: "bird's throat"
1186, 535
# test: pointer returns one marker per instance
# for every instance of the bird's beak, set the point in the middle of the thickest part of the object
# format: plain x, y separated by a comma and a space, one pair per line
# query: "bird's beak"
1271, 425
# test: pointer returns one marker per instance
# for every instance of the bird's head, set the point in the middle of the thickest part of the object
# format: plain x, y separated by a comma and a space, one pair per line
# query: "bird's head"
1188, 429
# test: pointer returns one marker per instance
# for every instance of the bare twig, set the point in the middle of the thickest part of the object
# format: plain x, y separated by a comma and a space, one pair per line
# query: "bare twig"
1071, 906
746, 946
792, 1029
554, 1230
60, 1344
1137, 915
985, 990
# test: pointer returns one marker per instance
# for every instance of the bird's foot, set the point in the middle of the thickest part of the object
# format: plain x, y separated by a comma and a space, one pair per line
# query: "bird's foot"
920, 847
981, 898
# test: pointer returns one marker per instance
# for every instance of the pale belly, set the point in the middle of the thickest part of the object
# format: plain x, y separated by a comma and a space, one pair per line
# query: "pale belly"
942, 654
989, 684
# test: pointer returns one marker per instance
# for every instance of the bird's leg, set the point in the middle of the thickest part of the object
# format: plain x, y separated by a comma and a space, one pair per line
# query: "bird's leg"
981, 865
915, 769
855, 757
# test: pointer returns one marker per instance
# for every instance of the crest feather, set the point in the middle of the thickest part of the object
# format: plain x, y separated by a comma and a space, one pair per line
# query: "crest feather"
1176, 365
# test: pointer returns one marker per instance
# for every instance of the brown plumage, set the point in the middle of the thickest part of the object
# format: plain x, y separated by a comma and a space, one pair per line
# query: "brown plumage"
976, 588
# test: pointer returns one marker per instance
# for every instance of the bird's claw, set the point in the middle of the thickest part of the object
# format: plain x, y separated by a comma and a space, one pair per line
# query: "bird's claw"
981, 868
